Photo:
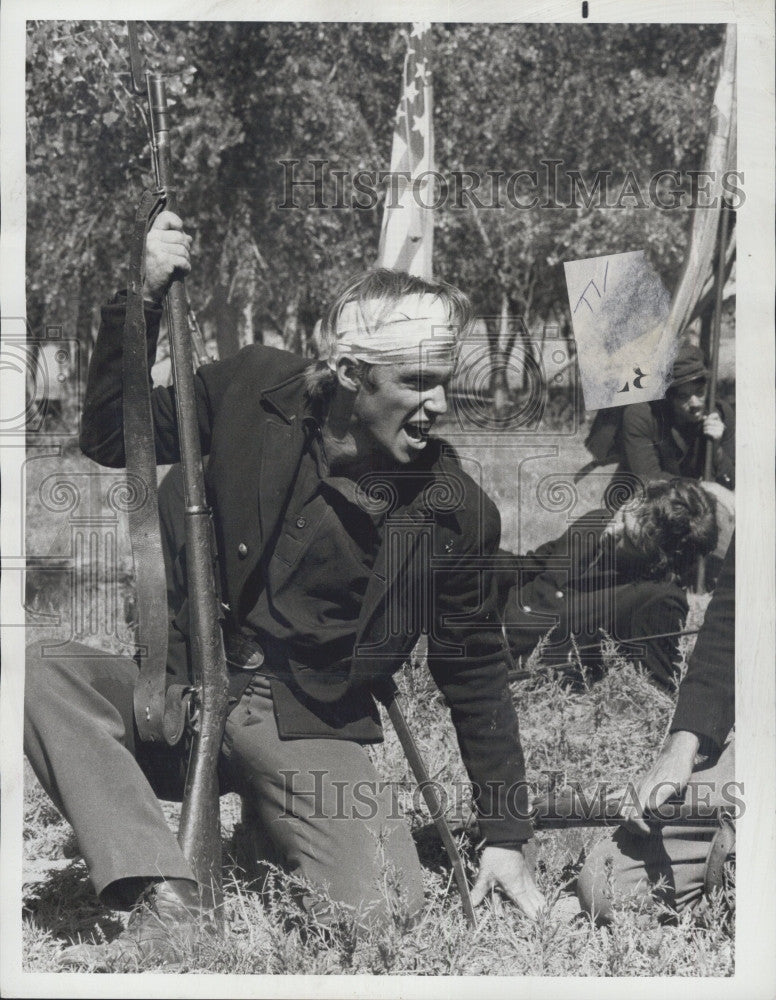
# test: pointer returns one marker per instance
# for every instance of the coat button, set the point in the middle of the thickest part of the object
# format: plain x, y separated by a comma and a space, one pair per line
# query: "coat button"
301, 522
527, 608
559, 594
242, 550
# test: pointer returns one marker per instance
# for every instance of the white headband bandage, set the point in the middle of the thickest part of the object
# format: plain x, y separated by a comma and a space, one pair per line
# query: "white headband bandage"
416, 327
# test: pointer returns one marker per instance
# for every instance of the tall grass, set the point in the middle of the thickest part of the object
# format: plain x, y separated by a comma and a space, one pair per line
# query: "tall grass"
601, 733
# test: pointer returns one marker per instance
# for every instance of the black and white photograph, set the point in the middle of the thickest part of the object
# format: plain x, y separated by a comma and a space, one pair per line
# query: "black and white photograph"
483, 303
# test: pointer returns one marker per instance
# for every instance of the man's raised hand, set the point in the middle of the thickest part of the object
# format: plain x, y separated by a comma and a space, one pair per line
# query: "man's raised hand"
167, 255
505, 868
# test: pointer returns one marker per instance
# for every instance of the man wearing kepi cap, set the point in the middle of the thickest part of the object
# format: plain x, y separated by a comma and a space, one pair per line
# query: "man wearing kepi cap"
668, 437
345, 531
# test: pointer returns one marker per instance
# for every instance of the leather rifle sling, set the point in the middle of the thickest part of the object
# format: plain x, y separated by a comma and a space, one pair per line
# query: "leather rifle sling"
143, 506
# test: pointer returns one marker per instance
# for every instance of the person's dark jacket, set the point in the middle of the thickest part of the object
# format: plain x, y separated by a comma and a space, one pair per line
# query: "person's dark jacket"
250, 410
580, 594
706, 702
652, 446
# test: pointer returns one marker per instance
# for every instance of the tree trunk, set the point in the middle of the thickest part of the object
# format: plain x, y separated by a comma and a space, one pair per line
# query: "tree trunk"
291, 326
75, 327
226, 323
84, 332
528, 352
247, 332
498, 383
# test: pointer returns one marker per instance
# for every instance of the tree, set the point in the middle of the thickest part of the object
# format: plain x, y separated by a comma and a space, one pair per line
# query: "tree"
550, 99
252, 95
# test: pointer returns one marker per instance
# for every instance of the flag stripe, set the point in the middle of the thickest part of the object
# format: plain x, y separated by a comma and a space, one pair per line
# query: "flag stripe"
406, 239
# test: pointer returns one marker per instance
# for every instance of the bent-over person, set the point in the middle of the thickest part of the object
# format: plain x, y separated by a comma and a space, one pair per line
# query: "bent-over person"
618, 575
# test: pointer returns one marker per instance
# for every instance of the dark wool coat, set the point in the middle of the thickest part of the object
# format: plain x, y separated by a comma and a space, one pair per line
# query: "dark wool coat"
442, 528
652, 446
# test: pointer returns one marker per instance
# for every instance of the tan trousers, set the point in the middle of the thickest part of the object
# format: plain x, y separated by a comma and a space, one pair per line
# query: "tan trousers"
331, 820
625, 862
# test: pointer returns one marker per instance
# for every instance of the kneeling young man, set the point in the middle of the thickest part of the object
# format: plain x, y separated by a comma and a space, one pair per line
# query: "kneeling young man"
332, 503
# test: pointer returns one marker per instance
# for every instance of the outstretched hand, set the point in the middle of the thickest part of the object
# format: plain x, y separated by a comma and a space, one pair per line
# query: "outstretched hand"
667, 777
167, 255
505, 868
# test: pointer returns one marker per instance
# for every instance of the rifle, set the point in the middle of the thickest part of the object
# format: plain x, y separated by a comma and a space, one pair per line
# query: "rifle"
515, 674
570, 808
389, 695
199, 832
566, 809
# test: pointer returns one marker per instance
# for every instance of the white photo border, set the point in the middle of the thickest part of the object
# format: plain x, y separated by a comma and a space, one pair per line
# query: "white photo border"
755, 974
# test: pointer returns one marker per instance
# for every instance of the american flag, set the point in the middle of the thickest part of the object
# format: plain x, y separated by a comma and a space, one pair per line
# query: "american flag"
407, 236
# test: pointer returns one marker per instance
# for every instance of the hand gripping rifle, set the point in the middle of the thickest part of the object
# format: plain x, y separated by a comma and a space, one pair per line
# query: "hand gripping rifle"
158, 710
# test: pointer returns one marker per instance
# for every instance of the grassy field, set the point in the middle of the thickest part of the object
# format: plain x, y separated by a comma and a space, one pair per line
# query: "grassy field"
602, 732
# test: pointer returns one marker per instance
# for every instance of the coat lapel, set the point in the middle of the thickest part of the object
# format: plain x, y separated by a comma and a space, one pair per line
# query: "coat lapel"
402, 537
283, 443
395, 600
268, 461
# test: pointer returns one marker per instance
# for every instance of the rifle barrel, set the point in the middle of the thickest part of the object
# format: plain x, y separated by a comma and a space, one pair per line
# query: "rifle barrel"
389, 695
570, 668
570, 808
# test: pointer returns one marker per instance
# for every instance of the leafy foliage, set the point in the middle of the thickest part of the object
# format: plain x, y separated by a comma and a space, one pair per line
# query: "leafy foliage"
251, 95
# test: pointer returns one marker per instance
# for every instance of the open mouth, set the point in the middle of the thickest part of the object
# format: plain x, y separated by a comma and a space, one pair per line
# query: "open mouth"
417, 433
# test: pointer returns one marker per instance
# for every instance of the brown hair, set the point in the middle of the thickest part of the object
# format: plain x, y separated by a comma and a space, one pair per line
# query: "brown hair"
677, 525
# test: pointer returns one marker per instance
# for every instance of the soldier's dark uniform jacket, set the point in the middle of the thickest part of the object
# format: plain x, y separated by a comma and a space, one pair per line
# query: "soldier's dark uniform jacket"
653, 445
436, 527
645, 439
